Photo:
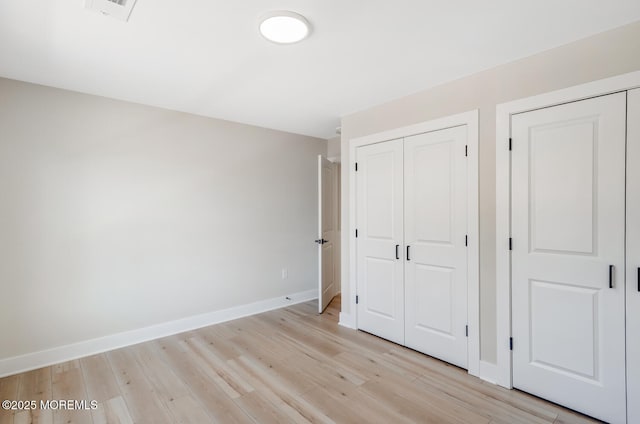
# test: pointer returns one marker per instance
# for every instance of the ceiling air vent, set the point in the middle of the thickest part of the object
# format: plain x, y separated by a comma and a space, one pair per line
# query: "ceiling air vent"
119, 9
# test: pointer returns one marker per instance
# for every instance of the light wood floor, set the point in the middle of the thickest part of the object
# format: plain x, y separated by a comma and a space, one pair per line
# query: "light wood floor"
289, 365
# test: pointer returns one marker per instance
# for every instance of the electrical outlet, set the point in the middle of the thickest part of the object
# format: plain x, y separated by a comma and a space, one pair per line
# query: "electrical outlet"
285, 273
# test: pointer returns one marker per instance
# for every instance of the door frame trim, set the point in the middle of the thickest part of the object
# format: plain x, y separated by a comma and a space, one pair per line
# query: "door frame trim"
504, 111
470, 119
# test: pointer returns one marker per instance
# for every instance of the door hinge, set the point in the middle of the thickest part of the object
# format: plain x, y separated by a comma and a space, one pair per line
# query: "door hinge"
466, 150
357, 299
510, 343
510, 143
356, 233
510, 243
356, 166
466, 240
466, 331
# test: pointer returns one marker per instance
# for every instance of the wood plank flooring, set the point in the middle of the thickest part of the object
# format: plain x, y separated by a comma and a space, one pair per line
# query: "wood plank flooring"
286, 366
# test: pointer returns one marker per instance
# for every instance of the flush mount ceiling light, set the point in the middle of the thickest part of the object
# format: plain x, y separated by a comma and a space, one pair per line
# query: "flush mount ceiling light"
284, 27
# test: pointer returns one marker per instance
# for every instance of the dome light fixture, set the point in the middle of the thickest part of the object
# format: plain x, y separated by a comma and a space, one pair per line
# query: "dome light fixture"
284, 27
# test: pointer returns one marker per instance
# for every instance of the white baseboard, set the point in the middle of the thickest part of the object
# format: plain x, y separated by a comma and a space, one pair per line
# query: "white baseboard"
31, 361
346, 320
489, 372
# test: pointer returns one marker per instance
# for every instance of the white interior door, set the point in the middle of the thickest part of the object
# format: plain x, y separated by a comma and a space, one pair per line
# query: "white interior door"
327, 231
568, 219
633, 256
435, 212
380, 285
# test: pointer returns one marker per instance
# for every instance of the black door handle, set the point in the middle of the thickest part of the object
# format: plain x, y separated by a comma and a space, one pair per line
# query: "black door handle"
639, 280
408, 258
397, 251
610, 276
321, 241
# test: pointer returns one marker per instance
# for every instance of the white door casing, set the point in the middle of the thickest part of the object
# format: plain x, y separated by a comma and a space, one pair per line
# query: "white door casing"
327, 231
380, 280
568, 200
633, 256
435, 212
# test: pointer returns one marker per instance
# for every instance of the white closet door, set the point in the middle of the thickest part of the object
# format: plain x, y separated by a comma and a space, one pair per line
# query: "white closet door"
380, 277
435, 231
568, 206
633, 256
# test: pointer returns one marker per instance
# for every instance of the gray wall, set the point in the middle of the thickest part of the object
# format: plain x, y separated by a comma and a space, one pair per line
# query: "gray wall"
116, 216
333, 147
604, 55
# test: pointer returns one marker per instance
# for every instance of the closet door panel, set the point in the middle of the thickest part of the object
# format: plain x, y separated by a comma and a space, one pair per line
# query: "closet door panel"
435, 228
568, 285
380, 274
633, 256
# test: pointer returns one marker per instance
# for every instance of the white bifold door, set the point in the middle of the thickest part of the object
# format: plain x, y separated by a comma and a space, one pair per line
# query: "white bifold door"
380, 267
568, 259
435, 228
411, 250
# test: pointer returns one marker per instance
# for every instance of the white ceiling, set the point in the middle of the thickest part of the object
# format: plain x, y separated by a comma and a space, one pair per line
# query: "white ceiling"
206, 56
